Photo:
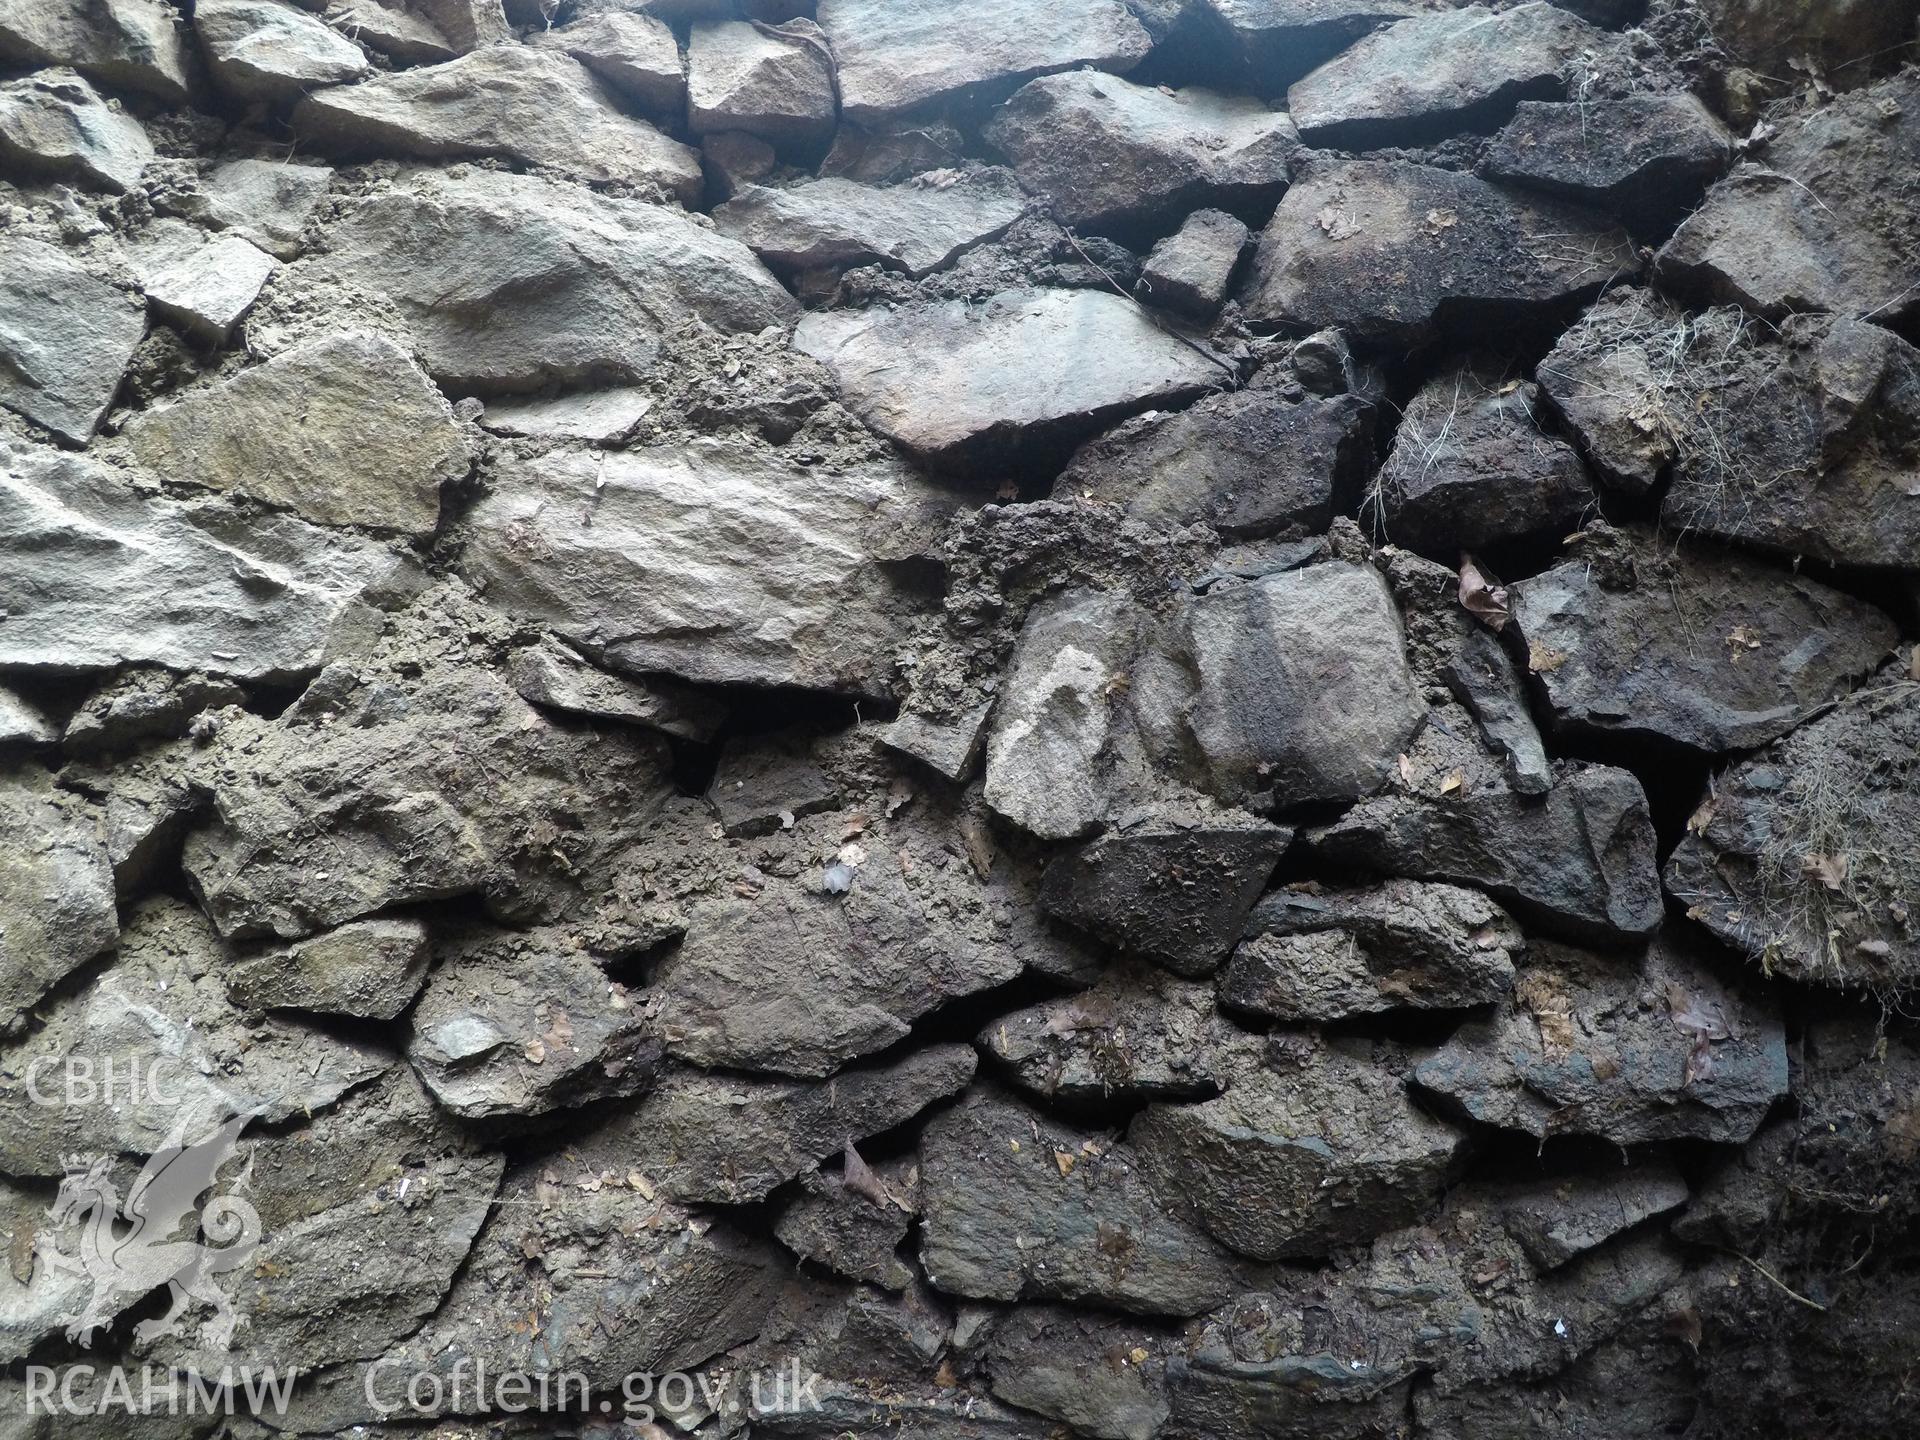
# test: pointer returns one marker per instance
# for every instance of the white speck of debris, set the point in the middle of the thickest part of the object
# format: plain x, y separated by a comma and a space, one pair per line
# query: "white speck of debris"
1560, 1328
838, 879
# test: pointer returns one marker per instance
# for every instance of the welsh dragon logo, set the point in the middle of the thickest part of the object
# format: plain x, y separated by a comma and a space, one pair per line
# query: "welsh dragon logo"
163, 1234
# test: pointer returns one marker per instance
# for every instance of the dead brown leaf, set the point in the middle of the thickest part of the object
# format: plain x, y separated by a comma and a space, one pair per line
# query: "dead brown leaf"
1482, 596
1829, 870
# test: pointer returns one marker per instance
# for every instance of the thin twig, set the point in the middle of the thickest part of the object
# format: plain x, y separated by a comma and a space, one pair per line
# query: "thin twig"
1233, 374
1788, 1289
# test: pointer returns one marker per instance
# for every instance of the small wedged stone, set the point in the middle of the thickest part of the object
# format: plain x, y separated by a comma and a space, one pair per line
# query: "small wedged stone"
636, 54
958, 384
1103, 152
1471, 467
144, 704
124, 44
264, 201
264, 50
1625, 1048
1823, 221
530, 105
511, 283
370, 969
1020, 1207
774, 82
1645, 158
56, 892
730, 1140
1313, 955
1557, 1221
1796, 856
1577, 861
66, 336
344, 430
551, 675
1247, 462
900, 56
1433, 75
202, 286
763, 785
600, 417
94, 576
1101, 1376
1137, 1034
1393, 252
1176, 893
800, 595
1306, 1150
948, 746
1706, 650
1266, 45
1191, 272
918, 227
854, 1228
22, 722
54, 123
515, 1025
390, 786
158, 1025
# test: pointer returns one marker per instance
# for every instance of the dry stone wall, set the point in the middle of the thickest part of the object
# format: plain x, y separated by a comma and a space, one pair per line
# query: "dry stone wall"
1127, 719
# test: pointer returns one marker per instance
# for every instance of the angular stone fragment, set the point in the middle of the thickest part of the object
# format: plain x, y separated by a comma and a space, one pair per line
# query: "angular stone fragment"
1030, 370
370, 969
1701, 649
722, 1139
1628, 1050
265, 201
636, 54
1192, 270
1103, 152
1302, 1153
142, 704
94, 576
126, 44
508, 282
1392, 252
1470, 467
551, 675
525, 104
798, 981
1556, 1221
1300, 689
39, 1297
65, 338
1483, 677
22, 722
759, 80
1824, 222
1314, 955
1019, 1207
158, 1023
1265, 45
1578, 861
263, 50
897, 56
148, 804
513, 1026
1139, 1034
798, 596
344, 429
1247, 462
600, 417
202, 286
382, 788
1645, 158
1176, 893
1798, 856
1103, 1377
55, 123
949, 747
834, 223
56, 893
365, 1217
1790, 440
1433, 75
853, 1227
760, 786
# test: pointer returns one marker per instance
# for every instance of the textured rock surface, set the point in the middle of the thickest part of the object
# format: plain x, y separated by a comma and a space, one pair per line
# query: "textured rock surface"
636, 54
528, 105
55, 123
370, 442
56, 894
1102, 151
1644, 157
1030, 368
262, 50
203, 286
97, 576
371, 969
1393, 251
509, 283
833, 223
65, 337
756, 80
132, 44
1192, 271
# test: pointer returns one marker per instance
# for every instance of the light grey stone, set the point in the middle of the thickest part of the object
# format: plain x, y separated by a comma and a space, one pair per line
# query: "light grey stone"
370, 969
201, 285
776, 83
263, 50
1192, 270
636, 54
66, 336
54, 123
918, 227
